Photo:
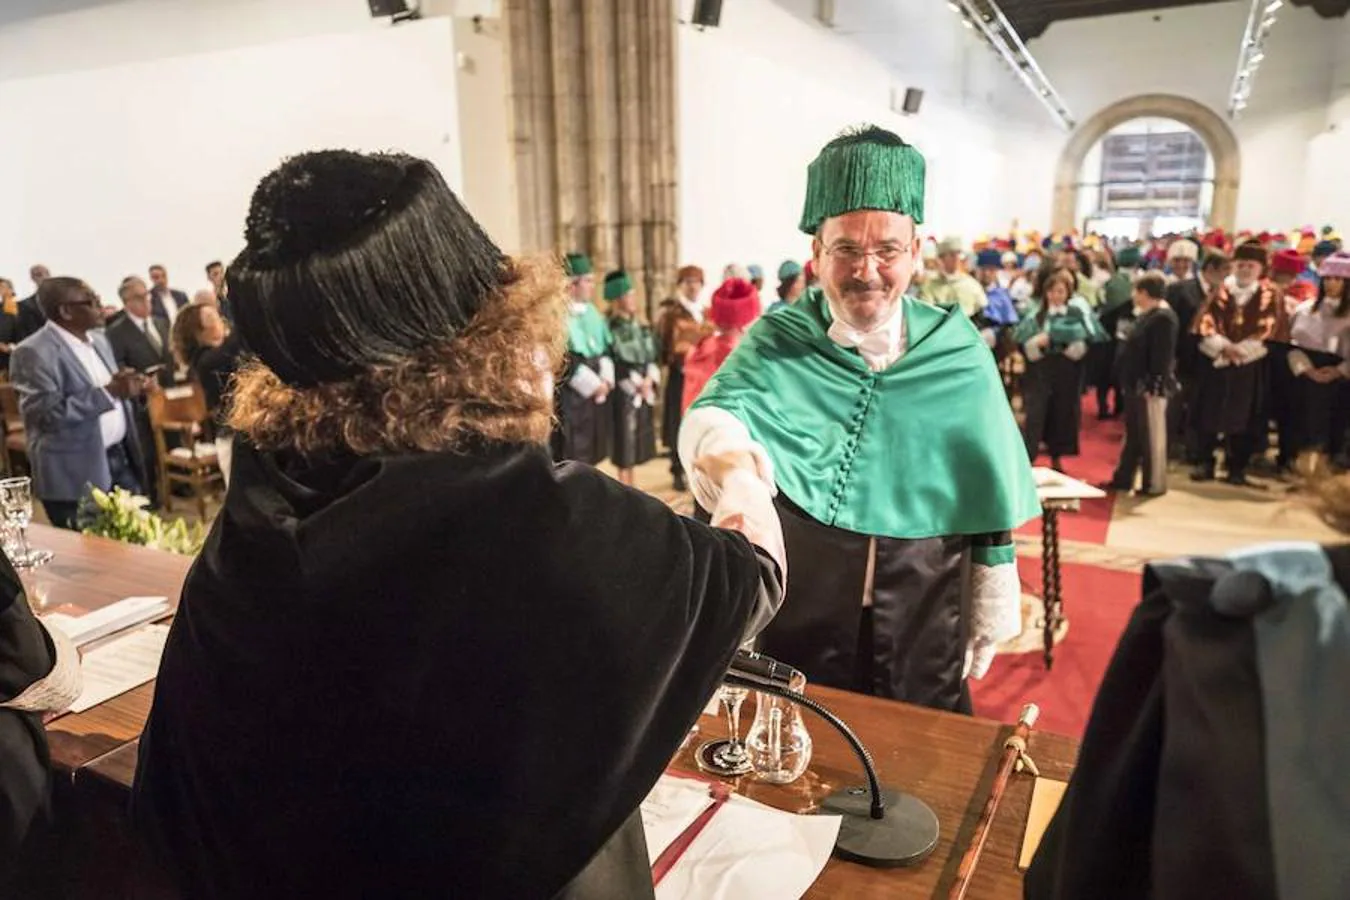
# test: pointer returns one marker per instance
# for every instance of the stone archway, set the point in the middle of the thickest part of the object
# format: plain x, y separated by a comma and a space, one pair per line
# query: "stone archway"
1213, 130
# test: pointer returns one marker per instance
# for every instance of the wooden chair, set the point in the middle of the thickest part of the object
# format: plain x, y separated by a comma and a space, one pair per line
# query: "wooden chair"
182, 409
16, 439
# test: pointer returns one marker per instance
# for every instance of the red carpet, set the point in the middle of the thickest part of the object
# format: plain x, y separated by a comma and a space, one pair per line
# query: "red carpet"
1099, 449
1098, 603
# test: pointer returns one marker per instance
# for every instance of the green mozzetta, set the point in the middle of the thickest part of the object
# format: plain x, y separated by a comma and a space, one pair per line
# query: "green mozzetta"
1077, 324
634, 344
926, 448
587, 334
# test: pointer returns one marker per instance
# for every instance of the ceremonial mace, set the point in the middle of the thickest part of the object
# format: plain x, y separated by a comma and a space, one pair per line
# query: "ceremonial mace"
1014, 757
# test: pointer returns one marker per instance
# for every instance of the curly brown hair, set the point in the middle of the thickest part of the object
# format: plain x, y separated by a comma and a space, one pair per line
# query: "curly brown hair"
486, 383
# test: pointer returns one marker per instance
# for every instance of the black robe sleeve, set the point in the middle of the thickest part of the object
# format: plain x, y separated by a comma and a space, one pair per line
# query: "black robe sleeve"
433, 675
26, 656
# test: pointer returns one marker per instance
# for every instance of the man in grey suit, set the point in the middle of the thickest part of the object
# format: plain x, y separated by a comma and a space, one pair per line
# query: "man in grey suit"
74, 399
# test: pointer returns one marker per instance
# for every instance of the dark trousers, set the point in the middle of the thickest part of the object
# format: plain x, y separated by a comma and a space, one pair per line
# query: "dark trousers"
671, 416
1238, 450
1145, 444
65, 513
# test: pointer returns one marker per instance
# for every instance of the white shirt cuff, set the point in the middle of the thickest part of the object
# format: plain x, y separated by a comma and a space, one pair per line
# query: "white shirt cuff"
585, 382
607, 370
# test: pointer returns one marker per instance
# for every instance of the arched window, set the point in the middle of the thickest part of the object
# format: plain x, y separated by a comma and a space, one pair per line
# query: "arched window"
1146, 176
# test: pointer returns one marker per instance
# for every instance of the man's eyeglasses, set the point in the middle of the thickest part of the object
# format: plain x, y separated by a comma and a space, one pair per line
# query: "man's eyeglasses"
853, 255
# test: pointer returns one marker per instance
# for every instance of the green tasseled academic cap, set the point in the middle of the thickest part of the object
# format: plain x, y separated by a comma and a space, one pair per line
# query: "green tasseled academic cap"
617, 284
870, 168
578, 264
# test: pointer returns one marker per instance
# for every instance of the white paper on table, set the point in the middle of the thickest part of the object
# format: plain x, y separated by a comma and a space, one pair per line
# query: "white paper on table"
120, 665
750, 851
85, 628
671, 807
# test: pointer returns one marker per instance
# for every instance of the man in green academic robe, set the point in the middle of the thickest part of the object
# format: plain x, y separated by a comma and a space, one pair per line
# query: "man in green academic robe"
584, 429
882, 423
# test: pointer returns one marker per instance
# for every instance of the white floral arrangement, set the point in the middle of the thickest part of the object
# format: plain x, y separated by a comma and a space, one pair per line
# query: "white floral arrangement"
123, 516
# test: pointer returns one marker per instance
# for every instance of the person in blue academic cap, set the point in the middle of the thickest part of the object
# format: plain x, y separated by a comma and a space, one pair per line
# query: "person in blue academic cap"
999, 313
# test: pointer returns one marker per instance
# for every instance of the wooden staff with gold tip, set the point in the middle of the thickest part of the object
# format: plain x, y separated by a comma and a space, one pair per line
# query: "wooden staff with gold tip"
1015, 758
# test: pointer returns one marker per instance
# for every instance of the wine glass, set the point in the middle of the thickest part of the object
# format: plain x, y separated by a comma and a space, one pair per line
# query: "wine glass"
16, 507
727, 756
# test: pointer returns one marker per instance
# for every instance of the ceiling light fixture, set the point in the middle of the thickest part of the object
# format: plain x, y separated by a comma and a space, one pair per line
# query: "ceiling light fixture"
1251, 52
988, 19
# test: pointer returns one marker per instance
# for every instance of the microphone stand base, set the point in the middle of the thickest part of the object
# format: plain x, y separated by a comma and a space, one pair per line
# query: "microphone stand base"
905, 837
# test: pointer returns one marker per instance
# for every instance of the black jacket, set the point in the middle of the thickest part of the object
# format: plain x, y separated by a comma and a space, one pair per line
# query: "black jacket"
433, 675
31, 318
214, 367
1186, 297
1148, 355
1214, 763
133, 350
157, 307
26, 656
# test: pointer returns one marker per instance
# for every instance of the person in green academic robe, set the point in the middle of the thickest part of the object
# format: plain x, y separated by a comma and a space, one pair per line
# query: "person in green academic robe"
1055, 337
584, 429
636, 376
882, 422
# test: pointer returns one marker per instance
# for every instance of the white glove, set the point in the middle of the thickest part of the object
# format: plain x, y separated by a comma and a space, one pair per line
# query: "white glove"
995, 614
708, 431
1076, 351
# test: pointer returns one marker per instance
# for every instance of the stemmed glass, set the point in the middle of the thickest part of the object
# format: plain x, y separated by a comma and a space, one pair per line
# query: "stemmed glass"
16, 508
727, 756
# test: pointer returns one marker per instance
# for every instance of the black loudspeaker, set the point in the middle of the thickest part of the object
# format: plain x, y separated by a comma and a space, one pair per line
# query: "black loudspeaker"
913, 100
388, 7
707, 13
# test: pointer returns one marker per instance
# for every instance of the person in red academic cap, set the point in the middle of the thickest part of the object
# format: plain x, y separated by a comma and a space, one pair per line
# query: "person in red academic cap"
1285, 267
734, 306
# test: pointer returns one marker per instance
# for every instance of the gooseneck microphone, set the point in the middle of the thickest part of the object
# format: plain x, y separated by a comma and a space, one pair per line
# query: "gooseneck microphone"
886, 830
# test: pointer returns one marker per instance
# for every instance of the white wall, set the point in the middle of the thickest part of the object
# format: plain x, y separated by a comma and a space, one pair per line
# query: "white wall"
1192, 51
137, 129
760, 95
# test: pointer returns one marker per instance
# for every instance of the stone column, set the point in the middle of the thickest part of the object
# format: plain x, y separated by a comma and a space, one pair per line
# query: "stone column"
593, 107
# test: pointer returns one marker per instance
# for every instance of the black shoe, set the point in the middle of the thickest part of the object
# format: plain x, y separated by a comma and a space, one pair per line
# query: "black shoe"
1113, 487
1202, 473
1239, 479
1057, 464
680, 484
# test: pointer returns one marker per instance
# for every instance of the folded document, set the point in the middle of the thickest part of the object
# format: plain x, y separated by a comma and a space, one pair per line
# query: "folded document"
725, 846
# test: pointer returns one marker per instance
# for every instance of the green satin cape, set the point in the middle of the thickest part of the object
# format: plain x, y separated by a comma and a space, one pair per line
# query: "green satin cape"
926, 448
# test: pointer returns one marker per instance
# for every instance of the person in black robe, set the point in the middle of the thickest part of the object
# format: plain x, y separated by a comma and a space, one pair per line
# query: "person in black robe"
9, 322
1055, 336
1147, 361
584, 428
1213, 764
1319, 362
408, 662
1233, 329
636, 378
679, 327
39, 672
1186, 297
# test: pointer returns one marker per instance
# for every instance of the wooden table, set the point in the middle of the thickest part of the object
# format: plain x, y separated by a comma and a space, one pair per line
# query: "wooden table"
948, 761
92, 572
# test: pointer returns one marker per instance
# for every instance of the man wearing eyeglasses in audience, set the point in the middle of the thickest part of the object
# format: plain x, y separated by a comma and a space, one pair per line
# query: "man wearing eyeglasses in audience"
882, 423
73, 398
